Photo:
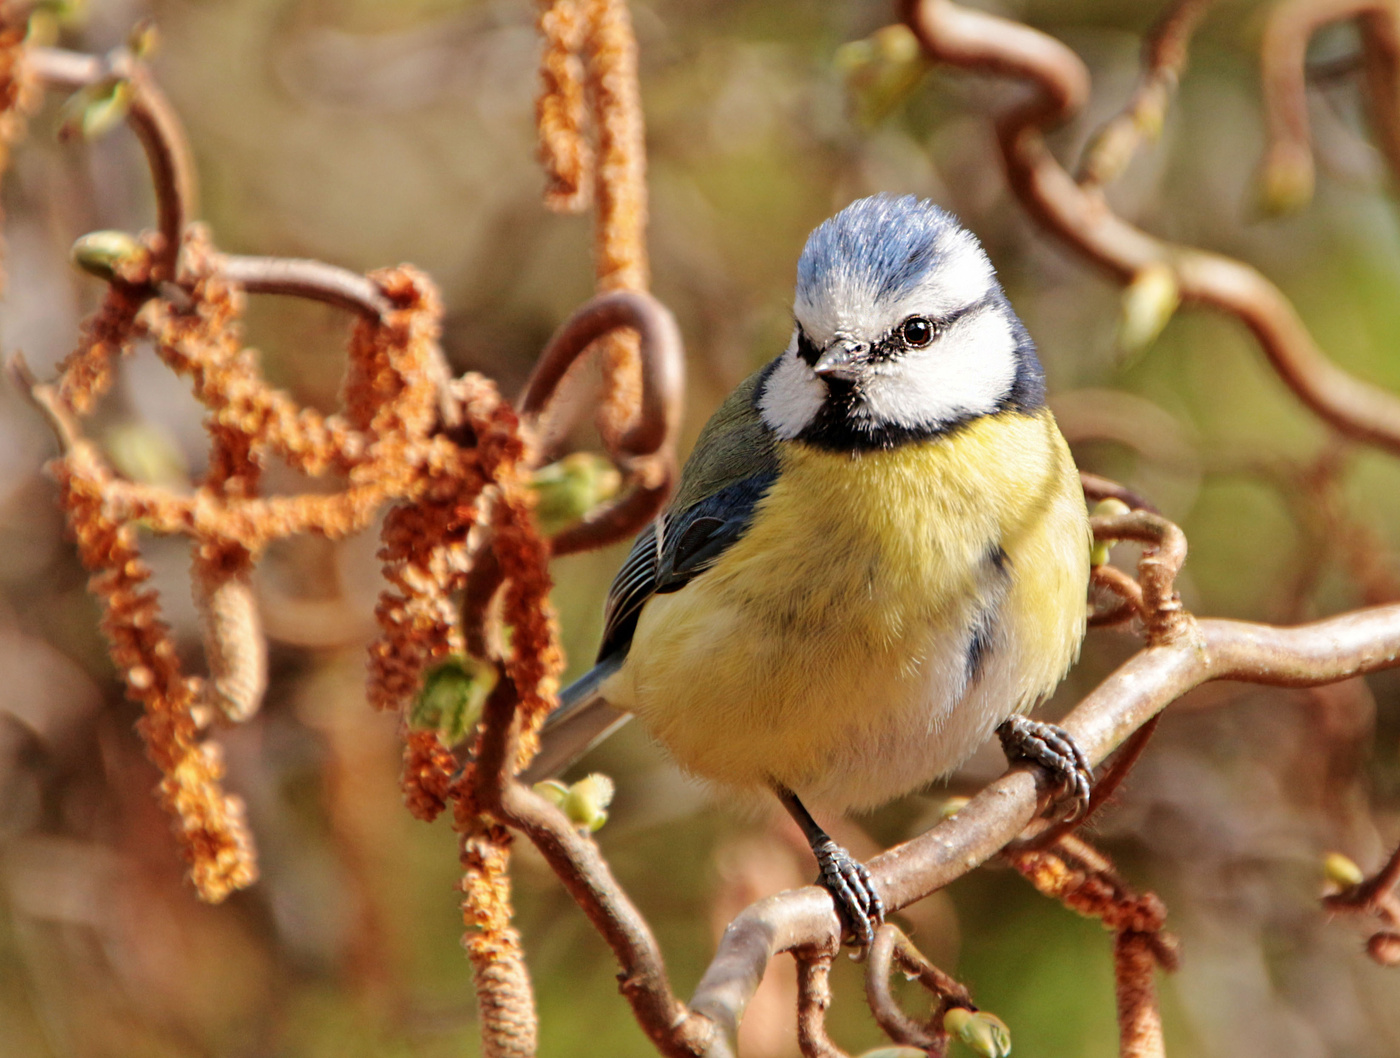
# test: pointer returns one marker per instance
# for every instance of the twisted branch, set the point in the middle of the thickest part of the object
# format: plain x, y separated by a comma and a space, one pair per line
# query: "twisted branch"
1326, 651
1082, 218
645, 450
157, 127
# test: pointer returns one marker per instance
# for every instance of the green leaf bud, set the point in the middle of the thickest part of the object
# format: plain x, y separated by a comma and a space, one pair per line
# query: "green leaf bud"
568, 489
1149, 302
453, 696
984, 1033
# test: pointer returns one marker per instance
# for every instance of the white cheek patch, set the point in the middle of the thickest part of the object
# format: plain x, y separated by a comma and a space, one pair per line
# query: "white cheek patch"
966, 371
792, 395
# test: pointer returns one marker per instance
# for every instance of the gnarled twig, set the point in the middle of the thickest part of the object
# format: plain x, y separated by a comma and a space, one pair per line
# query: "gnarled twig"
974, 40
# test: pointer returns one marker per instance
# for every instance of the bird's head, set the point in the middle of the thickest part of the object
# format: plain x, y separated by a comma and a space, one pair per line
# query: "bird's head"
902, 332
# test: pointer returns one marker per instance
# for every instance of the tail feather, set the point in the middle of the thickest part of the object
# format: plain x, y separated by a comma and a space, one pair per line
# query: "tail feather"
582, 720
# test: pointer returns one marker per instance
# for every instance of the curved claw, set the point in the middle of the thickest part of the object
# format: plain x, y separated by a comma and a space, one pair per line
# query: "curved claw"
1053, 749
846, 878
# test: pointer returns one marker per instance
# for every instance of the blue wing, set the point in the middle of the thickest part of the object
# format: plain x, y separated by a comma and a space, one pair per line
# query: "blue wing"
690, 542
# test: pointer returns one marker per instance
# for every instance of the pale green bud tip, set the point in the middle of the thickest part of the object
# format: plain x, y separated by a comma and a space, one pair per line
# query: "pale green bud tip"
587, 801
1341, 870
106, 253
1106, 508
952, 806
453, 696
1111, 507
97, 109
1285, 181
984, 1033
146, 454
1149, 302
881, 70
567, 490
143, 39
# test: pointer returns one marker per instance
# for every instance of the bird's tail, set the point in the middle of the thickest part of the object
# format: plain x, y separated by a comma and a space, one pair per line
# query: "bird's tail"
582, 720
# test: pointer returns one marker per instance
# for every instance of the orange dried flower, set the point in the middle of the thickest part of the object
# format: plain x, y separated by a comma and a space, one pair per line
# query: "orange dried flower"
560, 109
210, 824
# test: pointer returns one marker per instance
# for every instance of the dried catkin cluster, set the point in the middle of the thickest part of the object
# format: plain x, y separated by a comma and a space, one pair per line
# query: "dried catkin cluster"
384, 445
589, 70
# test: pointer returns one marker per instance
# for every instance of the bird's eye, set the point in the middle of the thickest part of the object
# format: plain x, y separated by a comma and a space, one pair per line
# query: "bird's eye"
917, 331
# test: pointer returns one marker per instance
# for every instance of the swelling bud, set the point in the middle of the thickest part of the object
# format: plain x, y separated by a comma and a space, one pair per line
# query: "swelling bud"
110, 255
567, 490
1341, 871
1149, 302
984, 1033
453, 697
585, 803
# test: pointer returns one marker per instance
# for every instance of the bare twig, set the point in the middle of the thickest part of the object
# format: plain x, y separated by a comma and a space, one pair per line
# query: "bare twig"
813, 999
579, 865
1322, 652
1162, 611
978, 41
1287, 171
1097, 488
157, 127
1120, 584
645, 450
1163, 59
315, 280
891, 946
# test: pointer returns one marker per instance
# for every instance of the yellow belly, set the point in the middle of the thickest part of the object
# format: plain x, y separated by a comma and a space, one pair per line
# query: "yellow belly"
827, 650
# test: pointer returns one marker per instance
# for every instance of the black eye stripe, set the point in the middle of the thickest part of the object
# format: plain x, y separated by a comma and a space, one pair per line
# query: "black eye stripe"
806, 348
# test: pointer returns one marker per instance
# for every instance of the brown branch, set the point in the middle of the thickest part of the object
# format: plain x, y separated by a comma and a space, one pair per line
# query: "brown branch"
1120, 584
1287, 171
646, 450
315, 280
813, 999
157, 127
1157, 569
986, 43
1374, 896
663, 365
1163, 60
1322, 652
891, 946
581, 867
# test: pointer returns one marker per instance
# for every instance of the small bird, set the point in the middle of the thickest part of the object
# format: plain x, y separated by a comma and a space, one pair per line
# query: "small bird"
877, 554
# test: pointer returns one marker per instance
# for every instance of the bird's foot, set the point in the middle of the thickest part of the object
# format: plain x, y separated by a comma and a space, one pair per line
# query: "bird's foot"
848, 882
1054, 750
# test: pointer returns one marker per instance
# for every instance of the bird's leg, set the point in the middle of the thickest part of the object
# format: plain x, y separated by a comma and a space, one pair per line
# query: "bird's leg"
1054, 750
845, 878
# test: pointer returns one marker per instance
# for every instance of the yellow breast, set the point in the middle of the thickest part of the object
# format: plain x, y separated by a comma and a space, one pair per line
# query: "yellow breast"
829, 648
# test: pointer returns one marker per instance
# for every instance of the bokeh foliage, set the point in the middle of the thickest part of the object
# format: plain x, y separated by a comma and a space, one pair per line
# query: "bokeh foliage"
366, 134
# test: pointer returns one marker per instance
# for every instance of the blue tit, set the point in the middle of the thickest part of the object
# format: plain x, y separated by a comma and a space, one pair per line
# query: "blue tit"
877, 554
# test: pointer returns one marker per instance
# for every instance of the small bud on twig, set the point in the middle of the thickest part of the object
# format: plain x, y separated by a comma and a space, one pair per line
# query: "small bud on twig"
572, 487
881, 71
453, 696
585, 803
1341, 870
1149, 302
984, 1033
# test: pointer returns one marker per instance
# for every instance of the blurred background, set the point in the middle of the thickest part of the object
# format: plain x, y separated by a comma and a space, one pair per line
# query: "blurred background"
368, 133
